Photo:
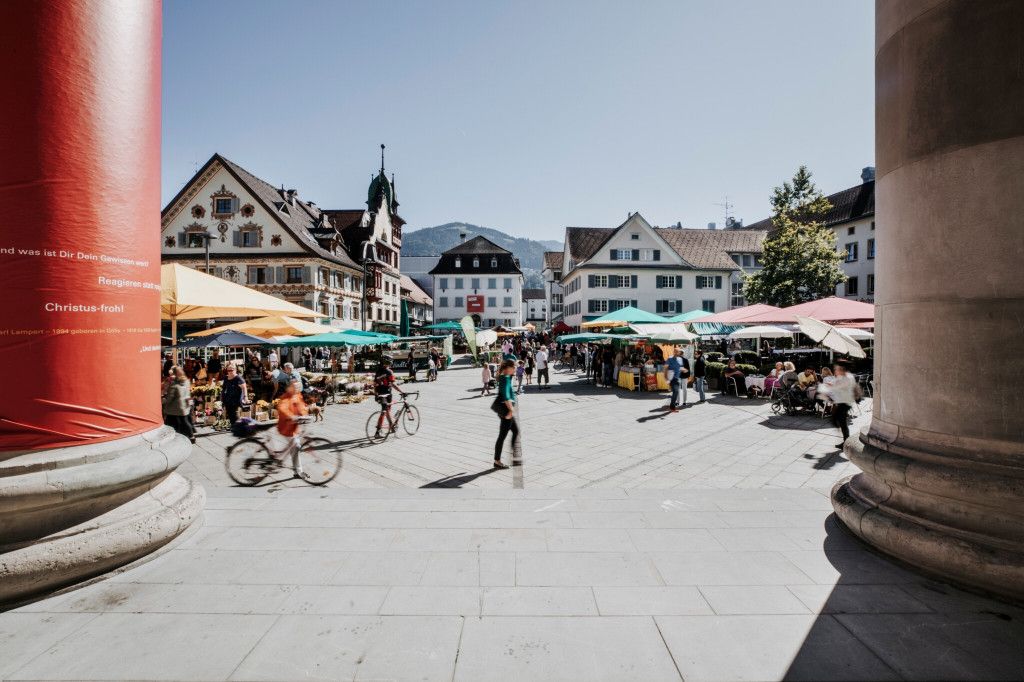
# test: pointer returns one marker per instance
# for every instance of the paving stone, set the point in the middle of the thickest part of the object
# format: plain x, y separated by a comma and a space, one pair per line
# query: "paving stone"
562, 648
152, 646
584, 568
728, 600
663, 600
539, 601
355, 648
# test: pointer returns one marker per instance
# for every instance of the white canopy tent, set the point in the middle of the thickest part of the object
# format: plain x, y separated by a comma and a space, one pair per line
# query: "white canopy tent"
830, 337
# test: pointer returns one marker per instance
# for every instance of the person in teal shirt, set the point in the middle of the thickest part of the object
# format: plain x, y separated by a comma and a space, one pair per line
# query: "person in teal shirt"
507, 415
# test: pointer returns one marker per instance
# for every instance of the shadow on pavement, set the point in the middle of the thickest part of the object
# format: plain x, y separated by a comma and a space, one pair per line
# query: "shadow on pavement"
457, 480
882, 620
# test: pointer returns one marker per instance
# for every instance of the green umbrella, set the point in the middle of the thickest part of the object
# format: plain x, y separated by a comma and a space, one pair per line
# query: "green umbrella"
403, 328
348, 337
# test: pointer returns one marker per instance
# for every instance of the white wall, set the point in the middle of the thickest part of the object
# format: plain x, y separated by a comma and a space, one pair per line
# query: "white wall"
863, 266
507, 301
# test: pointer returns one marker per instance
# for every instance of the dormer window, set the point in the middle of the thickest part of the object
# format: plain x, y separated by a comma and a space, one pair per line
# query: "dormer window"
476, 262
494, 262
458, 262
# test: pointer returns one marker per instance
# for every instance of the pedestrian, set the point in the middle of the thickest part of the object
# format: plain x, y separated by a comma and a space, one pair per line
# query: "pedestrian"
843, 392
272, 359
432, 368
412, 367
595, 365
486, 376
233, 392
505, 406
520, 375
176, 403
214, 366
541, 359
677, 371
530, 363
700, 372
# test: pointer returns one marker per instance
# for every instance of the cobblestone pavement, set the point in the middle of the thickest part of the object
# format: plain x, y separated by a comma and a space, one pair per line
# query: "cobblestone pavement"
633, 546
576, 436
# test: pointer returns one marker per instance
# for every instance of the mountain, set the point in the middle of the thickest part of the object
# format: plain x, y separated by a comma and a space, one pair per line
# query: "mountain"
432, 241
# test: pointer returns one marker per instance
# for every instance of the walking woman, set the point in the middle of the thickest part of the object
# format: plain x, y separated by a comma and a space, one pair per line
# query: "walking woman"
176, 404
505, 406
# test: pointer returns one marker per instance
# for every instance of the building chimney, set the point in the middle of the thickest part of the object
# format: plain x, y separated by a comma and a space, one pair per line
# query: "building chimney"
679, 225
712, 226
292, 194
462, 237
868, 174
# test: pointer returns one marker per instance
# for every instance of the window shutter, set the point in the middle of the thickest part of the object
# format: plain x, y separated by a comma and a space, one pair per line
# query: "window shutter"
218, 272
679, 306
280, 275
632, 281
658, 281
679, 283
633, 303
590, 306
718, 281
613, 281
234, 204
636, 254
657, 254
237, 238
659, 307
614, 255
590, 281
307, 275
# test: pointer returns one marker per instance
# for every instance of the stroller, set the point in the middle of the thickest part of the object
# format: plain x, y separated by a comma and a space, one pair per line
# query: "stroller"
790, 398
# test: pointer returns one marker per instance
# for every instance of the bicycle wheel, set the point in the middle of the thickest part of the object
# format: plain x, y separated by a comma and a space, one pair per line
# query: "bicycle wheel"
372, 433
777, 406
248, 461
319, 460
410, 420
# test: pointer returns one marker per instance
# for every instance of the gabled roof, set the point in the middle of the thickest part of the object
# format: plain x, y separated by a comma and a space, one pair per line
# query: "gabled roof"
301, 220
416, 293
701, 249
849, 204
710, 249
585, 241
554, 259
533, 294
477, 245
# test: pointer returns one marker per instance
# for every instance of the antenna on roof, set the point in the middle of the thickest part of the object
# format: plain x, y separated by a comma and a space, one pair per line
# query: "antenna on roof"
728, 209
382, 158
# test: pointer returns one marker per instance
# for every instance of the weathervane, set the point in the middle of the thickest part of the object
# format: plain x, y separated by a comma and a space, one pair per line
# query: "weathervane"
382, 158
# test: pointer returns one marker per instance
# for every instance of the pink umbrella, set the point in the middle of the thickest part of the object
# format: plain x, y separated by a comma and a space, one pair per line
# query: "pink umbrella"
738, 314
832, 310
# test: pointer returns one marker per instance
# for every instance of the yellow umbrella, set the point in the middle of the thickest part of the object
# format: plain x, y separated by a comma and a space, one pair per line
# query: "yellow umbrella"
187, 294
269, 327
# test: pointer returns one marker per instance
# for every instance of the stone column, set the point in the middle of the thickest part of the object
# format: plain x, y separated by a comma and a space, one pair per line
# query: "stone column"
87, 478
943, 458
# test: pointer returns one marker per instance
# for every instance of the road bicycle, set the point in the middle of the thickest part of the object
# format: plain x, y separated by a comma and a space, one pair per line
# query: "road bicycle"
314, 460
401, 413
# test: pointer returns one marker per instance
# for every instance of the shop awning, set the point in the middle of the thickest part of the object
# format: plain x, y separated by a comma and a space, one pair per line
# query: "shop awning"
624, 316
687, 317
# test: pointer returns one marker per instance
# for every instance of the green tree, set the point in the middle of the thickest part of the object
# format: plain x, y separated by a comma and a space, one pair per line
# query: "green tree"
800, 258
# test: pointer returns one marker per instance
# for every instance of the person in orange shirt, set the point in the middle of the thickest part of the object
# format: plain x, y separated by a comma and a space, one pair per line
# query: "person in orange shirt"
290, 408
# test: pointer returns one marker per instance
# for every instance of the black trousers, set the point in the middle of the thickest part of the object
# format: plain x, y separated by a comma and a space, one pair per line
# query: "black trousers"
182, 424
232, 412
542, 374
507, 426
839, 416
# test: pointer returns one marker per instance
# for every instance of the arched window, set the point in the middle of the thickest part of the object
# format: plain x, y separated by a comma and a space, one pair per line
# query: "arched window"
458, 262
476, 262
494, 262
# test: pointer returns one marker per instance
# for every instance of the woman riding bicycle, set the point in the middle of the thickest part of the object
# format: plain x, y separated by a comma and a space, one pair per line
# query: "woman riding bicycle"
383, 384
291, 408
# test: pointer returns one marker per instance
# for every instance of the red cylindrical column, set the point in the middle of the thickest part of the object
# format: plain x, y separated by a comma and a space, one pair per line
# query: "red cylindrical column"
79, 245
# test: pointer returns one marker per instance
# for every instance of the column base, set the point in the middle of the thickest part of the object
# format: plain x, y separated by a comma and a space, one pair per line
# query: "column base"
73, 513
949, 516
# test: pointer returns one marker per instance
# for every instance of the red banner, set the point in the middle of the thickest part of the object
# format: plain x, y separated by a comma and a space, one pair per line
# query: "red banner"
79, 248
474, 304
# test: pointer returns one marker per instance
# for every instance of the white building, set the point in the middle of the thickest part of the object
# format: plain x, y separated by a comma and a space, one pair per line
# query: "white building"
535, 307
852, 219
263, 237
665, 271
418, 302
553, 292
478, 278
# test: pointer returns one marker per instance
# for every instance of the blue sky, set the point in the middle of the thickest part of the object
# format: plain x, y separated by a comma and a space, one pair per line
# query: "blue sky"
525, 116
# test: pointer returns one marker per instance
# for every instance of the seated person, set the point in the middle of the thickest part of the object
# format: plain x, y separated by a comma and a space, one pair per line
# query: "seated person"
827, 379
733, 373
789, 376
808, 381
773, 377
